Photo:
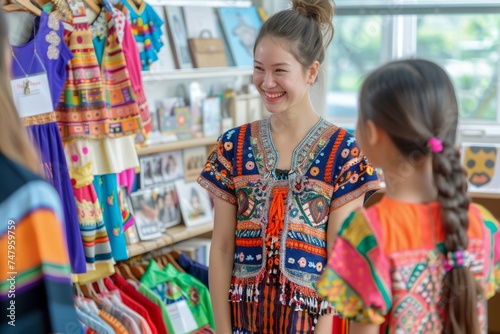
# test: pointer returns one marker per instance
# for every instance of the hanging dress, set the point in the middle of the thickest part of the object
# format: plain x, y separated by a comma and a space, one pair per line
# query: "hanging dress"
50, 57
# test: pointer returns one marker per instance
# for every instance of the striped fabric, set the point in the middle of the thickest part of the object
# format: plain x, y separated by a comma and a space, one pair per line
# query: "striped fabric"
119, 95
81, 111
35, 274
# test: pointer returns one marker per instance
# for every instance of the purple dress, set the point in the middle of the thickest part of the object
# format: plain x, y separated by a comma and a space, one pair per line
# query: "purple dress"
53, 55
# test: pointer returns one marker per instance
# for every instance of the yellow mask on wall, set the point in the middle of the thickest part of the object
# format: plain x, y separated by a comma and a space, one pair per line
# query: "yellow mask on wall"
479, 162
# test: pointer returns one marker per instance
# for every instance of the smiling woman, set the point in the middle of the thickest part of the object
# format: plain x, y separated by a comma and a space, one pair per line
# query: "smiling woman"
281, 187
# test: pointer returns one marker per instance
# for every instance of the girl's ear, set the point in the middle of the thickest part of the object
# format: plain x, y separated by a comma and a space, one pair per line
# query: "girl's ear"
313, 72
373, 134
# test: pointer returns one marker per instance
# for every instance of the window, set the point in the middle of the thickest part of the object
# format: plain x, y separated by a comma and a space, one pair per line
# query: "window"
462, 36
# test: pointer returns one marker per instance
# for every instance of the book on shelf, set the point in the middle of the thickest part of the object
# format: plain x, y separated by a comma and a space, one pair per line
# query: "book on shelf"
198, 249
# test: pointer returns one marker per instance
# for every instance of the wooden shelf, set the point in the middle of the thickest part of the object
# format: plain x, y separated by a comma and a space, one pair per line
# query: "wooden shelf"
176, 145
173, 235
195, 73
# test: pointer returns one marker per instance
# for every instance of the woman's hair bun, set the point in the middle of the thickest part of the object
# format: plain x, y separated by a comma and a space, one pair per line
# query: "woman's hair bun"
320, 11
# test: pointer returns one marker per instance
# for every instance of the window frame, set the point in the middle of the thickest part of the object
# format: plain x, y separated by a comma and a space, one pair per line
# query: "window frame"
404, 42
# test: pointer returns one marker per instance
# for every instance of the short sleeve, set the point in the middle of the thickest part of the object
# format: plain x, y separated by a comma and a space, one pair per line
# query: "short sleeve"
353, 175
356, 280
217, 175
493, 275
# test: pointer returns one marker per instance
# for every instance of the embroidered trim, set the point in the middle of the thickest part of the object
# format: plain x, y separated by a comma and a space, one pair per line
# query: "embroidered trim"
100, 25
239, 150
216, 191
53, 22
329, 164
341, 201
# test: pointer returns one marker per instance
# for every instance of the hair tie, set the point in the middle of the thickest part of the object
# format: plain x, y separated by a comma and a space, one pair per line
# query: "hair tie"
457, 259
435, 145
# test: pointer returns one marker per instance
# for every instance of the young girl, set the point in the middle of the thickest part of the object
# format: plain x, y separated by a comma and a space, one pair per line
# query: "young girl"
281, 187
422, 260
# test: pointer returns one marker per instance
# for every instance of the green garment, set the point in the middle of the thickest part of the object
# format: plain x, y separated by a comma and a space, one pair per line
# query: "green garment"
170, 285
199, 296
146, 292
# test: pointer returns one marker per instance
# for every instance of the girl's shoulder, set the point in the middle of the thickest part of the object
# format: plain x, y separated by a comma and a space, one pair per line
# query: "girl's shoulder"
485, 216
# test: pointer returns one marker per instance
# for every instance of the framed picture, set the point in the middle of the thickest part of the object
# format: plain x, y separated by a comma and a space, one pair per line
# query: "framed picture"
145, 214
194, 202
171, 167
200, 19
194, 161
167, 206
130, 229
165, 60
178, 37
146, 173
240, 26
482, 164
212, 116
166, 114
157, 168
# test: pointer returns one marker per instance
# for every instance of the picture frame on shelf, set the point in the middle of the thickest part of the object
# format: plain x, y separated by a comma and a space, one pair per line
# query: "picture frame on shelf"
166, 114
482, 164
178, 37
212, 116
184, 123
241, 26
194, 203
166, 61
145, 214
167, 206
157, 168
195, 159
131, 235
172, 166
146, 172
200, 19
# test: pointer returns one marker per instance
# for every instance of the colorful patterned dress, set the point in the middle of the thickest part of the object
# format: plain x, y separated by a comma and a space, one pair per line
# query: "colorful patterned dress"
52, 56
387, 265
146, 27
282, 219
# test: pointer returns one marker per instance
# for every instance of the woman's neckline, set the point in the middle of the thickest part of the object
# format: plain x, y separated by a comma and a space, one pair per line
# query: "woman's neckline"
296, 150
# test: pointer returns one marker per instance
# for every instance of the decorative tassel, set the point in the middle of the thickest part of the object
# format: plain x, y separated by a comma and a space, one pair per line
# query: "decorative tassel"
277, 211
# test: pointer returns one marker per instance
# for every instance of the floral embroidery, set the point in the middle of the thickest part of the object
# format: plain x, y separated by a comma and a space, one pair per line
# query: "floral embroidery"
194, 296
314, 171
53, 52
53, 38
355, 152
250, 165
99, 26
53, 22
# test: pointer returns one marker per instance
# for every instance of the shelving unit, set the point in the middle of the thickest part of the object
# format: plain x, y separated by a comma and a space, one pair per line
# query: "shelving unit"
173, 235
176, 145
196, 73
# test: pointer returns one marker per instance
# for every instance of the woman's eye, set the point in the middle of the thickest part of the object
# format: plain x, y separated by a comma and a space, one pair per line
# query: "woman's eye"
258, 68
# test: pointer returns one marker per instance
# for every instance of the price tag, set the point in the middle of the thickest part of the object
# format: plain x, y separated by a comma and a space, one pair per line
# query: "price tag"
32, 95
181, 317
